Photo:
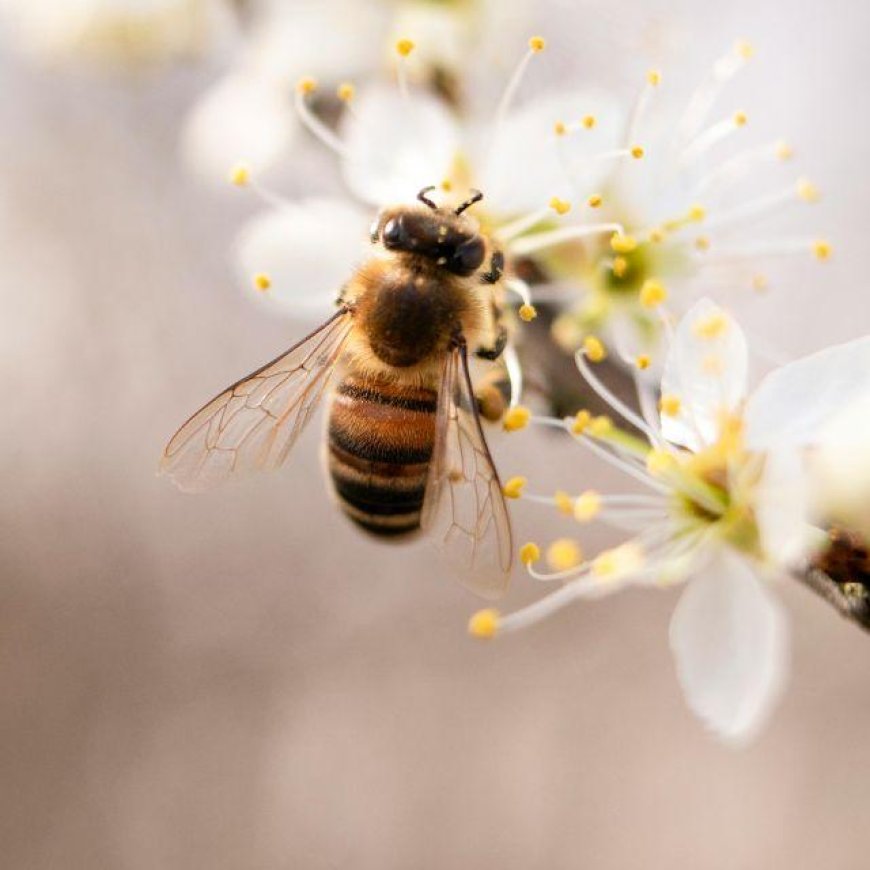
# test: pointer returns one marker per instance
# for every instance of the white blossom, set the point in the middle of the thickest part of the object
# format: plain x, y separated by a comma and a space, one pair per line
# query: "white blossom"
394, 139
118, 33
730, 507
695, 203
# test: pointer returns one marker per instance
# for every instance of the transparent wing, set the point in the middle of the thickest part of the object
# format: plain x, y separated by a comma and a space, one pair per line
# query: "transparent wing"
464, 508
252, 425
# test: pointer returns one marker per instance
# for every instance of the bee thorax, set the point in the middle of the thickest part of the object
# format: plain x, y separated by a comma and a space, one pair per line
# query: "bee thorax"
410, 318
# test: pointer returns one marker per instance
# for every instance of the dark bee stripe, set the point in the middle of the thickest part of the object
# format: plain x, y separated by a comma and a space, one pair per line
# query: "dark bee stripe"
388, 527
380, 443
374, 450
357, 391
378, 499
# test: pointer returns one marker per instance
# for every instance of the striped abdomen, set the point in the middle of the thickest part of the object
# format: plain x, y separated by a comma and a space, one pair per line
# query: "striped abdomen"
380, 443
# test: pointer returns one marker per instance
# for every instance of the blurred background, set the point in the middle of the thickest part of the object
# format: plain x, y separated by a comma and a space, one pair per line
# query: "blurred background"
239, 679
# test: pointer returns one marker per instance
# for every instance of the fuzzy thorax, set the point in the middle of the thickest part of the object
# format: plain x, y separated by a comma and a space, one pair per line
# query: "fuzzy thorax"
406, 311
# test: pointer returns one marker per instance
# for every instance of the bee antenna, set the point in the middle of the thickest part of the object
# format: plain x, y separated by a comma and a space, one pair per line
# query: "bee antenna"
425, 199
476, 196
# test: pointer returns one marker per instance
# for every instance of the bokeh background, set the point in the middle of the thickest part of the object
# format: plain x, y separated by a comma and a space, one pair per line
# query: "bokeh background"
239, 680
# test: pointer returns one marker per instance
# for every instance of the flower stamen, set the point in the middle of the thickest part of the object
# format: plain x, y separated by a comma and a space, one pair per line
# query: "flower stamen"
404, 47
304, 88
707, 93
529, 245
536, 45
712, 136
651, 82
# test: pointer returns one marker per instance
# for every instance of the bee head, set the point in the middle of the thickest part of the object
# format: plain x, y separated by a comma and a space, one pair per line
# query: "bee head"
440, 235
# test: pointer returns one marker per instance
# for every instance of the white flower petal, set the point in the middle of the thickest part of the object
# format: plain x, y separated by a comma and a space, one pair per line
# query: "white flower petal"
782, 506
841, 468
120, 33
240, 119
706, 369
729, 637
308, 251
793, 403
524, 163
440, 31
397, 145
327, 39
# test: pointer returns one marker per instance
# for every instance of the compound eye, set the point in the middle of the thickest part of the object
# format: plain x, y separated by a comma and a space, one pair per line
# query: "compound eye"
393, 233
468, 256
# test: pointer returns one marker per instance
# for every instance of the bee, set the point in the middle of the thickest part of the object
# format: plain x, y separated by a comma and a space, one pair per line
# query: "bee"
405, 446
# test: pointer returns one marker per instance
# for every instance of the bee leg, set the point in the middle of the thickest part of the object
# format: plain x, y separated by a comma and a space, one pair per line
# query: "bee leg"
494, 352
491, 395
491, 392
496, 268
341, 299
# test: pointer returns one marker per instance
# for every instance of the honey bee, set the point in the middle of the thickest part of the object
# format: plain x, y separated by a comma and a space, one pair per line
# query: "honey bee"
405, 445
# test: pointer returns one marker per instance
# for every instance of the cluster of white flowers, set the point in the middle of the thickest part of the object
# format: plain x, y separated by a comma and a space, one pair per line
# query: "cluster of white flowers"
741, 490
733, 502
627, 221
624, 219
119, 33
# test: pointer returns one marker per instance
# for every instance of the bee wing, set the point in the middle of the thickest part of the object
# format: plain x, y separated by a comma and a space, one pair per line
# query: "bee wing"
252, 425
464, 507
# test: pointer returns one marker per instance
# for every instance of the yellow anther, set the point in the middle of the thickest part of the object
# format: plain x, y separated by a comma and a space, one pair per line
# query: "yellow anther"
559, 128
740, 119
589, 121
537, 44
262, 281
657, 235
659, 462
744, 49
670, 405
654, 77
594, 200
529, 553
484, 624
564, 554
564, 502
784, 151
516, 418
619, 267
447, 185
822, 250
807, 191
345, 92
759, 282
240, 174
622, 244
594, 349
711, 326
600, 426
404, 47
642, 361
604, 564
560, 206
618, 562
582, 419
527, 312
637, 151
306, 85
702, 243
652, 293
697, 213
587, 506
514, 487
